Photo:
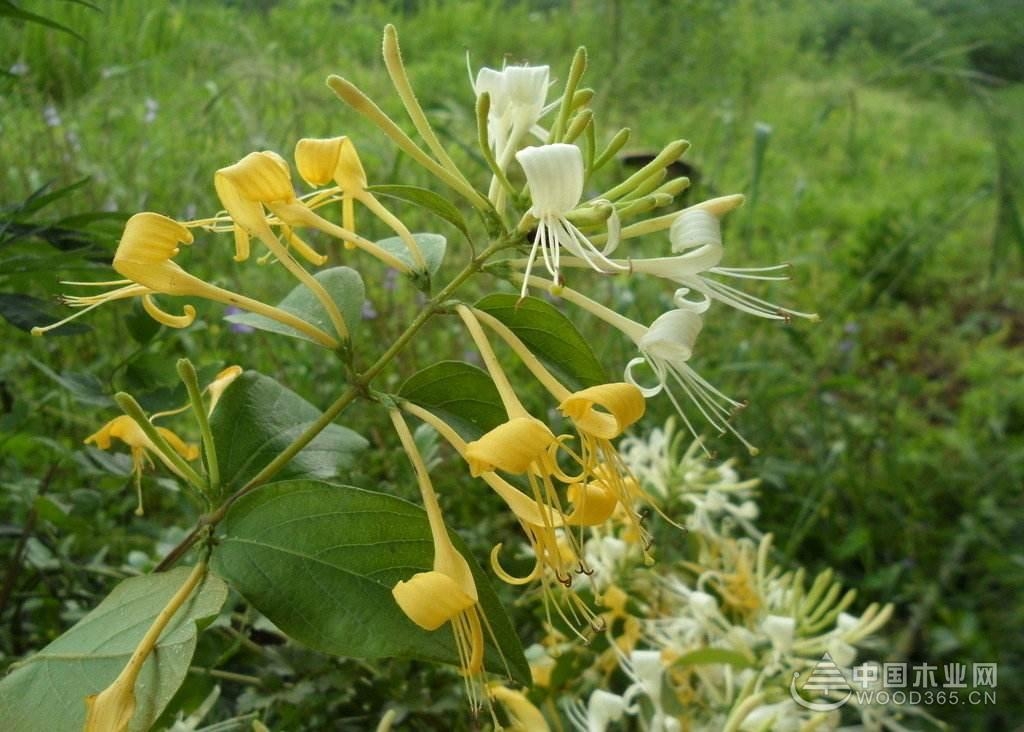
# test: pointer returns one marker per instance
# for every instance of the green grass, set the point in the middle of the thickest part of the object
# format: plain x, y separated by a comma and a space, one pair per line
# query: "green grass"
891, 432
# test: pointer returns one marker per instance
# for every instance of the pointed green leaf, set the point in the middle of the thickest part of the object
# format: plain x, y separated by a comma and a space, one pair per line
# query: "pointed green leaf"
460, 393
550, 336
432, 247
257, 418
320, 560
343, 284
48, 690
428, 199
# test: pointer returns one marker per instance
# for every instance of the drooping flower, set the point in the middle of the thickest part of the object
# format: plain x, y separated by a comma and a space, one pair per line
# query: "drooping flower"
666, 347
126, 430
554, 174
447, 593
696, 236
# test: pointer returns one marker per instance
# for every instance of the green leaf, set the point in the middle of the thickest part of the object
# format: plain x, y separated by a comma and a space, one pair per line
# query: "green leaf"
432, 247
320, 560
460, 393
428, 199
25, 312
257, 418
84, 388
343, 284
48, 690
550, 336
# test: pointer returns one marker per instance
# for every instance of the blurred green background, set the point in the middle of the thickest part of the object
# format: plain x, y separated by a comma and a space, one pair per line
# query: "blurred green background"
878, 143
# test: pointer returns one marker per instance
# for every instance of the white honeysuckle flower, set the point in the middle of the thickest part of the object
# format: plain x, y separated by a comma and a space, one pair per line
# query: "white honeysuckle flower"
697, 234
603, 708
554, 174
518, 95
696, 237
781, 630
666, 346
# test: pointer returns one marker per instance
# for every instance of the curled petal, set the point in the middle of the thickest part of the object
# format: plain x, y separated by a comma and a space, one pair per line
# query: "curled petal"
162, 316
512, 447
144, 254
695, 227
431, 599
522, 713
622, 404
510, 579
150, 238
260, 176
697, 306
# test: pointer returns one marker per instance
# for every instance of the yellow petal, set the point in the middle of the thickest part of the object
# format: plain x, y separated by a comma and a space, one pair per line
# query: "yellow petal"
349, 173
317, 159
260, 176
512, 447
622, 404
147, 246
523, 715
431, 599
593, 503
186, 450
221, 382
162, 316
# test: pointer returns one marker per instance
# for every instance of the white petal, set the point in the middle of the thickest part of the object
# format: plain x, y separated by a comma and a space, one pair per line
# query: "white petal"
672, 336
695, 227
554, 174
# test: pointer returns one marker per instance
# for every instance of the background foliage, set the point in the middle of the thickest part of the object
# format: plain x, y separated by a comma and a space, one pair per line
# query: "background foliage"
874, 142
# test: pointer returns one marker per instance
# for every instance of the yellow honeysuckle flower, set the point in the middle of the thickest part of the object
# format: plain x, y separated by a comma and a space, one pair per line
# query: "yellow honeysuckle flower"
447, 593
262, 180
600, 414
127, 430
145, 256
321, 160
557, 553
523, 715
